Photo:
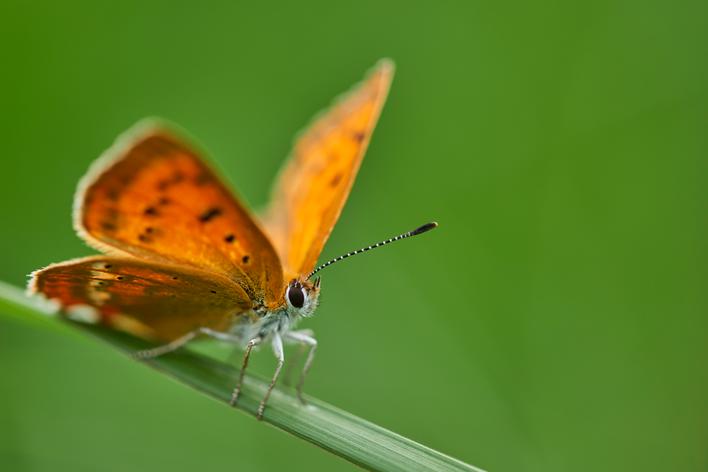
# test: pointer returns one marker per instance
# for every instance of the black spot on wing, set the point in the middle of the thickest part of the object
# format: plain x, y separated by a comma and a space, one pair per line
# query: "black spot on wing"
112, 194
335, 180
109, 220
108, 226
210, 214
202, 179
229, 238
176, 178
162, 185
151, 211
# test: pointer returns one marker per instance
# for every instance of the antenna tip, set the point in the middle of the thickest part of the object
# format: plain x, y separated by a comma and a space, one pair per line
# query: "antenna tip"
424, 228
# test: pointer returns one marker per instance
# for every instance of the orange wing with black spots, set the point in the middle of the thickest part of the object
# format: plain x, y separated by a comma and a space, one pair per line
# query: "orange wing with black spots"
146, 299
315, 183
151, 196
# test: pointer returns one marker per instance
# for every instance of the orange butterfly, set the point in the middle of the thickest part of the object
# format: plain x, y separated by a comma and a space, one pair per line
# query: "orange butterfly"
184, 258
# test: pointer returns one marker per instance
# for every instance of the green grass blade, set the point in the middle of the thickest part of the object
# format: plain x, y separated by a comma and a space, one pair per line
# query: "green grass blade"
337, 431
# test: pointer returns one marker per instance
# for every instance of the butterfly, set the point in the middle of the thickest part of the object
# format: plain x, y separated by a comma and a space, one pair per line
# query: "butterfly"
183, 258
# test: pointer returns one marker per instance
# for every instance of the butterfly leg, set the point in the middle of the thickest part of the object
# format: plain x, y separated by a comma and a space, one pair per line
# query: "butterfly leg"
292, 362
246, 356
181, 341
295, 359
280, 355
221, 336
165, 348
306, 338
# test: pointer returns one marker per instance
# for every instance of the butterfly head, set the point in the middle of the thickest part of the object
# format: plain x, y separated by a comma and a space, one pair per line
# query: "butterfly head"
302, 296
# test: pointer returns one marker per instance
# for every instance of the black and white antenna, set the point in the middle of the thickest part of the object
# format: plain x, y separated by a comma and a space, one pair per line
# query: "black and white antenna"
420, 230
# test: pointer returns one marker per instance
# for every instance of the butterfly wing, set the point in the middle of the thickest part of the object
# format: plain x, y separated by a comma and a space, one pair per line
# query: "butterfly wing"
314, 184
153, 197
149, 300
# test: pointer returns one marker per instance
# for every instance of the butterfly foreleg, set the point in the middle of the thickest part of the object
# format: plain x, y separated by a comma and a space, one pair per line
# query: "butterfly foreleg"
246, 355
295, 359
220, 335
280, 355
165, 348
182, 340
292, 362
306, 338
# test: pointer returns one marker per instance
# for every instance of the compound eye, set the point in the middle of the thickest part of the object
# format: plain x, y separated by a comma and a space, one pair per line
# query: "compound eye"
296, 295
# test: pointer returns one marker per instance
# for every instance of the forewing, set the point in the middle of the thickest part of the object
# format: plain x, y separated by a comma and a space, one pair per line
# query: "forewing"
314, 184
149, 300
152, 196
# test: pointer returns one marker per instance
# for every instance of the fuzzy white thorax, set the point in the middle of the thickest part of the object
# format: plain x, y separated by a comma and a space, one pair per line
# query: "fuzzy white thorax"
279, 321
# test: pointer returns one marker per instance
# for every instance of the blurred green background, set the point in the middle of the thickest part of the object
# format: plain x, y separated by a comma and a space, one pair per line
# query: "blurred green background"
555, 321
